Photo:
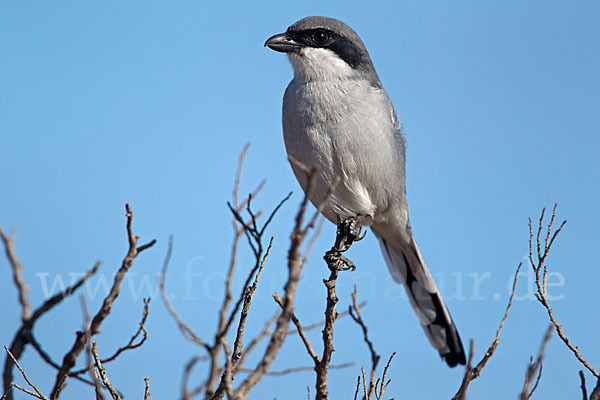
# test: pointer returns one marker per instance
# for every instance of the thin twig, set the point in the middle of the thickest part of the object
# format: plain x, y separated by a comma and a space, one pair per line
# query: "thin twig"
300, 330
111, 389
228, 314
22, 389
312, 240
90, 364
17, 268
258, 338
189, 366
238, 344
357, 388
473, 373
79, 344
256, 235
240, 228
39, 394
320, 323
25, 333
583, 388
294, 370
535, 368
382, 382
364, 381
540, 269
356, 315
147, 388
131, 344
266, 331
294, 270
469, 365
227, 376
185, 330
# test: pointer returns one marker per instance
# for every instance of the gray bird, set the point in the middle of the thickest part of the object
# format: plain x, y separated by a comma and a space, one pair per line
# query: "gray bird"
337, 115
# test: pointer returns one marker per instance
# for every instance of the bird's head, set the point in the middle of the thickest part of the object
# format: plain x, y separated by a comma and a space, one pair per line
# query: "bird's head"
324, 48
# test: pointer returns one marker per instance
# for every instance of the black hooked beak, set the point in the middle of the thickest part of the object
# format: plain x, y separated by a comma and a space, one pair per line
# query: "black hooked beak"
283, 43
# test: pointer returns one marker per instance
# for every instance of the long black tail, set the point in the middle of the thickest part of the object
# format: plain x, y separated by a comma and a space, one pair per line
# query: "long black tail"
408, 268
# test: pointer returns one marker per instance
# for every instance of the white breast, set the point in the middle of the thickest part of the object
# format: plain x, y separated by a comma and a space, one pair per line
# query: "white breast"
334, 119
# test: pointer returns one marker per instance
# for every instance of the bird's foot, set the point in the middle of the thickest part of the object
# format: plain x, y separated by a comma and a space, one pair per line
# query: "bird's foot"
337, 262
348, 232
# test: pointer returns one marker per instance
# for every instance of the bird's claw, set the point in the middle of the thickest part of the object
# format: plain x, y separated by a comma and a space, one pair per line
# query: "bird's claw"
348, 232
337, 262
360, 234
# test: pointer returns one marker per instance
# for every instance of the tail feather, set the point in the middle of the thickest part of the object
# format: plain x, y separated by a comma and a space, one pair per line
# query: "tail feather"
409, 269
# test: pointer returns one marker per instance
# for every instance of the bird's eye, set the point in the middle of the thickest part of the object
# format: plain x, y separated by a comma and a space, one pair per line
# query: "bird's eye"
320, 36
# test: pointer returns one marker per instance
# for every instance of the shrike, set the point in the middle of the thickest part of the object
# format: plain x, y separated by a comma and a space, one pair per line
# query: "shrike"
337, 115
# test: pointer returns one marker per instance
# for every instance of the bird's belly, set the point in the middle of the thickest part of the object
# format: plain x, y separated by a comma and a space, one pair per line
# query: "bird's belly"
351, 144
348, 196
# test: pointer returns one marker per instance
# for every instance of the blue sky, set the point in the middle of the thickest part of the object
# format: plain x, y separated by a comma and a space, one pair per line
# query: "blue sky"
151, 102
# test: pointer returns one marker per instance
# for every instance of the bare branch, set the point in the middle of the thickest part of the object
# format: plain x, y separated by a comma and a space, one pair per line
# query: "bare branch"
238, 344
473, 373
330, 317
25, 333
583, 388
70, 358
111, 389
227, 376
185, 394
300, 330
294, 370
255, 239
17, 268
22, 389
312, 240
90, 364
185, 330
354, 312
382, 382
319, 324
535, 368
468, 369
364, 381
254, 236
240, 227
130, 345
147, 388
596, 392
266, 332
45, 357
57, 298
39, 394
540, 269
286, 198
294, 269
357, 388
257, 339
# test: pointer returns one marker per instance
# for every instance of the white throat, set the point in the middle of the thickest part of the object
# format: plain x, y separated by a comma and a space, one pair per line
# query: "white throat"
319, 64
